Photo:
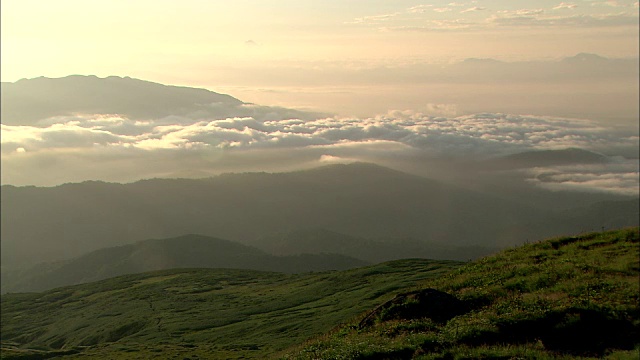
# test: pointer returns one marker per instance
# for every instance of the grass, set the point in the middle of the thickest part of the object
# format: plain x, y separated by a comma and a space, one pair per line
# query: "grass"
564, 298
197, 313
570, 297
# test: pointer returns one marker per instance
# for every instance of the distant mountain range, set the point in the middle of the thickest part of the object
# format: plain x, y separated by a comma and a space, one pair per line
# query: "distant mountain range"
28, 100
586, 58
318, 241
539, 158
188, 251
359, 200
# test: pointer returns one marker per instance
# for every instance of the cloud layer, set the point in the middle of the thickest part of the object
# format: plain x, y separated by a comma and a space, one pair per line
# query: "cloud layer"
620, 177
78, 147
479, 134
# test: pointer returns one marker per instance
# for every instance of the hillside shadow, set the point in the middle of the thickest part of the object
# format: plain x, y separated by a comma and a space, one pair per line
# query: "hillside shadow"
575, 331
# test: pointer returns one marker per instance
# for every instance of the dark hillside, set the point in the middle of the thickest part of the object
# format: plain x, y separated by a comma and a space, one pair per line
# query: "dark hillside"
34, 102
359, 200
28, 100
317, 241
539, 158
188, 251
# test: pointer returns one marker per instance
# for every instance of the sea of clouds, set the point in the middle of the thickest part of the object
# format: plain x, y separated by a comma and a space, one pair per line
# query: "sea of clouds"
115, 148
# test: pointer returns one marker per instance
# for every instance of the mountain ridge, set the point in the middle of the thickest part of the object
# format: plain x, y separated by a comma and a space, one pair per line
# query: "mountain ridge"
48, 224
34, 102
540, 158
186, 251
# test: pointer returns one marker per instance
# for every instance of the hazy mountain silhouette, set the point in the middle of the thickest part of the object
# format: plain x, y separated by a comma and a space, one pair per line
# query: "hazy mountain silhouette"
538, 158
480, 61
362, 200
585, 58
31, 99
317, 241
573, 67
28, 101
188, 251
608, 214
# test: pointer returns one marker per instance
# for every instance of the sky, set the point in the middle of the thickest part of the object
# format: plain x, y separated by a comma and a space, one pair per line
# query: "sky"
213, 43
111, 36
395, 80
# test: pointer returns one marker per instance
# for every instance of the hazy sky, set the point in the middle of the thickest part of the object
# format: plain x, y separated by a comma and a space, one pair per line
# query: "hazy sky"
302, 53
178, 41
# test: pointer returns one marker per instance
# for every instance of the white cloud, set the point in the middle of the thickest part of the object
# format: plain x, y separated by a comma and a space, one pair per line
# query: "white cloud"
522, 12
536, 18
419, 8
373, 19
620, 177
436, 25
487, 131
429, 18
612, 3
330, 159
69, 134
472, 9
564, 5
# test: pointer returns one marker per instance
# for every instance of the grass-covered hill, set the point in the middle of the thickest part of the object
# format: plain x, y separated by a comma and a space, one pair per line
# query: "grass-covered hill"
561, 298
187, 251
198, 313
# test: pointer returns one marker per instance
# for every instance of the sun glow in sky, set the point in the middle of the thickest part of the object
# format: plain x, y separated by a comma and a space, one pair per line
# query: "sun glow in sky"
179, 40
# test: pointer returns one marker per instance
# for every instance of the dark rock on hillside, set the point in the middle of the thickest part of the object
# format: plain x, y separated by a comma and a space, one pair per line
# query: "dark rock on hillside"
426, 303
578, 331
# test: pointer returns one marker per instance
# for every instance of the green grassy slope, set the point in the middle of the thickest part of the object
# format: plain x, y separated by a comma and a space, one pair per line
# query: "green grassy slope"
201, 313
565, 297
